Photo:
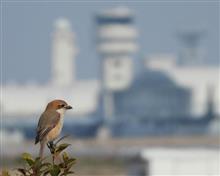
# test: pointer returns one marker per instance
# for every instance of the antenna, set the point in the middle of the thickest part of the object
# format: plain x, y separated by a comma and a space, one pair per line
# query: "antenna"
190, 51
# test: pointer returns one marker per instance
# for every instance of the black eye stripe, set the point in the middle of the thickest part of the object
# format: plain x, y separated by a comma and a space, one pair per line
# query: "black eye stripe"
62, 105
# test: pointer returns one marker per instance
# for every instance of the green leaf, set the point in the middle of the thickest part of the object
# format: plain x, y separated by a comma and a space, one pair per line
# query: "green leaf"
61, 147
28, 158
65, 157
37, 166
69, 166
22, 171
62, 165
46, 172
71, 161
47, 165
37, 163
27, 155
55, 170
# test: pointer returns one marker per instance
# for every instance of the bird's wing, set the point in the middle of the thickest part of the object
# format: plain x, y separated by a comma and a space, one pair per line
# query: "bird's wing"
47, 122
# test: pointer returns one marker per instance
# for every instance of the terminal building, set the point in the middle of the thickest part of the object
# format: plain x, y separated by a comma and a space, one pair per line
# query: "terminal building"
168, 95
82, 94
162, 97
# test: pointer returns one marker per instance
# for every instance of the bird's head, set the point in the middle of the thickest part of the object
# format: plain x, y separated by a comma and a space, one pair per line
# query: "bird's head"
58, 105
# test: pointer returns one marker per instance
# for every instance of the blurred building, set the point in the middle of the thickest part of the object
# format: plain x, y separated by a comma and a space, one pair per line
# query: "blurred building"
63, 54
181, 161
198, 78
31, 98
153, 94
165, 97
152, 105
162, 97
116, 37
116, 45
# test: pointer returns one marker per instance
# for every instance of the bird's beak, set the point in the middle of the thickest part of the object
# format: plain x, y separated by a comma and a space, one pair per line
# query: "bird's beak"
68, 107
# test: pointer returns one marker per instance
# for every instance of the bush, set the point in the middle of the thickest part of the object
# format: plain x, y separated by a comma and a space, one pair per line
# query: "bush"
47, 166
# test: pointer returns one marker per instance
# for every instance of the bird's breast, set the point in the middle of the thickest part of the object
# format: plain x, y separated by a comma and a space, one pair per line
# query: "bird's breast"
55, 132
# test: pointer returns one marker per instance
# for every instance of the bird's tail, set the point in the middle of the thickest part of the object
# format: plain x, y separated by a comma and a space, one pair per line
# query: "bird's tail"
42, 145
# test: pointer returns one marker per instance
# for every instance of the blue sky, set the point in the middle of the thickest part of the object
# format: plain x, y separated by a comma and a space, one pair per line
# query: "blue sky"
27, 31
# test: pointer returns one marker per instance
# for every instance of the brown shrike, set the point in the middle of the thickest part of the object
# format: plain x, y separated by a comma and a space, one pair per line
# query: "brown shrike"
50, 123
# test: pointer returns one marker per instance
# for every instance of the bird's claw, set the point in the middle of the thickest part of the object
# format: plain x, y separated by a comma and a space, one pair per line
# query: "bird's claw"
51, 146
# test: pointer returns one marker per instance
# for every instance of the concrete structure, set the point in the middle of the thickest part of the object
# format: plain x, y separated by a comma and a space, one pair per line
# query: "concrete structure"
116, 45
199, 79
116, 37
153, 105
152, 95
63, 54
188, 161
27, 100
30, 99
162, 98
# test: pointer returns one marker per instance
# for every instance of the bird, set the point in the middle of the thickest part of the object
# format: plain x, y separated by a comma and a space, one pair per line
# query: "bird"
50, 123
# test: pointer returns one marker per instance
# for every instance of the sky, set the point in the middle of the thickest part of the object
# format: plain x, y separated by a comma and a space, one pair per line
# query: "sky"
27, 33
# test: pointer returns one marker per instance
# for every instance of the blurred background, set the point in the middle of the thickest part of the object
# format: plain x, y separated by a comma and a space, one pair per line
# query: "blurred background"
142, 77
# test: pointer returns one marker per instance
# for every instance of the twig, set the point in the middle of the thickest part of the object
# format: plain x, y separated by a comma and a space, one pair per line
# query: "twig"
62, 139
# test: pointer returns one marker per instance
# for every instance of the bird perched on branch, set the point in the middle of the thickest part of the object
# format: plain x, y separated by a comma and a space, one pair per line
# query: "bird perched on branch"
50, 123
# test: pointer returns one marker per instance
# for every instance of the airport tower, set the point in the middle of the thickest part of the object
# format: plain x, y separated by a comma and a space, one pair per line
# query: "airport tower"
63, 54
116, 45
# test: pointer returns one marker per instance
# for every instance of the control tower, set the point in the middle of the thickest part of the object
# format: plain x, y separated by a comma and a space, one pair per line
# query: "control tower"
116, 42
116, 45
63, 54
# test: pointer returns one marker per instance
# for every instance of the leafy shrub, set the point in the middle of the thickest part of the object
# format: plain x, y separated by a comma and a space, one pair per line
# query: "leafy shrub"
47, 166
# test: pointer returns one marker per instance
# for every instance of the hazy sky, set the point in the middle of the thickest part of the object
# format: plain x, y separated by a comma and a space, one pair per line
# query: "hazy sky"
27, 29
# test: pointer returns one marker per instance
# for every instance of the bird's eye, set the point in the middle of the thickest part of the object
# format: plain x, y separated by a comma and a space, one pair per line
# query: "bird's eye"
62, 105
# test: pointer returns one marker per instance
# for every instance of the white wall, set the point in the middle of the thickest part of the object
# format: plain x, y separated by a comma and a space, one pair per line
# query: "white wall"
32, 99
197, 78
182, 161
